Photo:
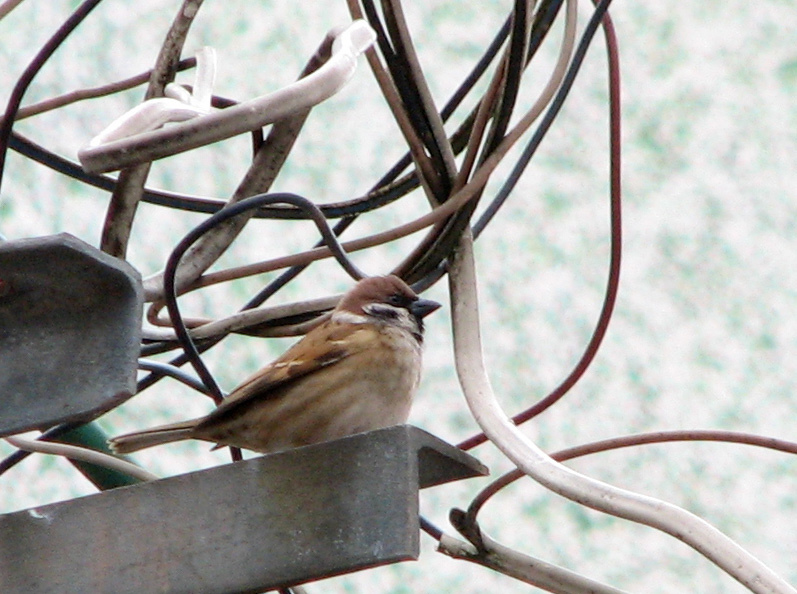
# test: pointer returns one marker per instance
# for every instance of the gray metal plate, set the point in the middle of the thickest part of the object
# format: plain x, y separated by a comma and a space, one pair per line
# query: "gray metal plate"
251, 526
70, 331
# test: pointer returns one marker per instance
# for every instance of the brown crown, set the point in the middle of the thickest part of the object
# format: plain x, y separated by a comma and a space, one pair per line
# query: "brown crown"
374, 289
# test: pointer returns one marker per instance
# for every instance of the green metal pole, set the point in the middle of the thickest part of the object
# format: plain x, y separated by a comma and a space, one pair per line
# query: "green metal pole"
91, 436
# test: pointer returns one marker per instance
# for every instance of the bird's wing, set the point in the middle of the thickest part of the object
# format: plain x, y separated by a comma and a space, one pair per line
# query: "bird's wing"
320, 348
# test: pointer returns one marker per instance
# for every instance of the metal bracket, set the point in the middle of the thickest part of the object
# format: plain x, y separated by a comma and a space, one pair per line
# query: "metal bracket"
268, 522
70, 331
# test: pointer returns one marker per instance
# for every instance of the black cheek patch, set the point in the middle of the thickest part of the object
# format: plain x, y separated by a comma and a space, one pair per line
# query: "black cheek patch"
387, 313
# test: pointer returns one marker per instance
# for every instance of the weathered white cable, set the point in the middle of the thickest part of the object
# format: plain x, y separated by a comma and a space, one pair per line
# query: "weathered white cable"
178, 105
117, 153
245, 319
523, 567
74, 452
204, 80
697, 533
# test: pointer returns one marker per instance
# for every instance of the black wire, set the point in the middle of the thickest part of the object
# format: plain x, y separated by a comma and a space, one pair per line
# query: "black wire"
173, 372
431, 529
401, 72
547, 120
434, 275
477, 72
454, 101
30, 72
36, 152
190, 350
256, 301
169, 282
441, 246
430, 278
460, 93
396, 62
372, 201
267, 292
515, 65
543, 19
291, 273
150, 348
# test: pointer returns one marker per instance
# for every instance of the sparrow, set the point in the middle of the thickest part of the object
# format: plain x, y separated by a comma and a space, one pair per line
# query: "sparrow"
357, 371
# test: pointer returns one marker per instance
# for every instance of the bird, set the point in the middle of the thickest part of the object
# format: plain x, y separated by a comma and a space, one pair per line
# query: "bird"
355, 372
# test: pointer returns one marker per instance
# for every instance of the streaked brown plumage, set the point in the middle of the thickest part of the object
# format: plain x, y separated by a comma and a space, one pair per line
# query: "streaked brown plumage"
357, 371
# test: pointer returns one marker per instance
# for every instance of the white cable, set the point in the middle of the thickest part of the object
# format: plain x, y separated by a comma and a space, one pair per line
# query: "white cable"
130, 140
83, 454
498, 427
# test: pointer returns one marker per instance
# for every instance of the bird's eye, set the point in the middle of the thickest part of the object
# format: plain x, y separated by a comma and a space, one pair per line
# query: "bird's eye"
397, 300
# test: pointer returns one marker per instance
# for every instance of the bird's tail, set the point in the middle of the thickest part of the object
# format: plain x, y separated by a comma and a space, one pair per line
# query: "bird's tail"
138, 440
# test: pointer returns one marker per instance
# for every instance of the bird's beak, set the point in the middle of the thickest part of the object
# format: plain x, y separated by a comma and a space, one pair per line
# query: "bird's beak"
423, 307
